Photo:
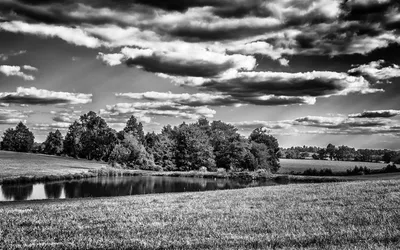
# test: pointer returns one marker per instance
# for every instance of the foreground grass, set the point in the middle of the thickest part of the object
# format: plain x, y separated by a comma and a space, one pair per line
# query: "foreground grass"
298, 165
357, 215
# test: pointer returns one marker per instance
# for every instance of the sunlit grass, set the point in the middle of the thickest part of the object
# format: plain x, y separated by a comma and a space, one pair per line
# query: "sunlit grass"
358, 215
14, 165
299, 165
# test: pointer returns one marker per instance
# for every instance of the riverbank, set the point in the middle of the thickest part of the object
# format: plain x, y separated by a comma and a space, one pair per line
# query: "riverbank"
33, 168
351, 215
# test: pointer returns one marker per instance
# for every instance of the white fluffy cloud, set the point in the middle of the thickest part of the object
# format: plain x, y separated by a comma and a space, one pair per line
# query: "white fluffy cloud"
34, 96
15, 71
75, 36
151, 109
377, 71
11, 116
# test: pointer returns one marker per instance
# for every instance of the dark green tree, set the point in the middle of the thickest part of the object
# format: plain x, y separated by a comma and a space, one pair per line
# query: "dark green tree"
267, 155
19, 139
331, 150
193, 148
72, 142
54, 143
136, 128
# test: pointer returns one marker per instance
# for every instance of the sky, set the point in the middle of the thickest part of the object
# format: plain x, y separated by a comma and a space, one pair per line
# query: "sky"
310, 72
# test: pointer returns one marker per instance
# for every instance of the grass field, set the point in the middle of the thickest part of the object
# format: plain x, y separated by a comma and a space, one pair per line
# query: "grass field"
295, 165
13, 164
355, 215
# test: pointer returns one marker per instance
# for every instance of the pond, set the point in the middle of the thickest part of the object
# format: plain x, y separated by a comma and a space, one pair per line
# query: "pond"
119, 186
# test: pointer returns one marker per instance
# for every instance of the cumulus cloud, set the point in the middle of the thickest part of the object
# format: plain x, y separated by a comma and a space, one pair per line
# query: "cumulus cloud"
214, 99
376, 114
10, 116
29, 67
377, 71
259, 84
268, 125
151, 109
65, 116
181, 62
15, 71
51, 126
75, 36
34, 96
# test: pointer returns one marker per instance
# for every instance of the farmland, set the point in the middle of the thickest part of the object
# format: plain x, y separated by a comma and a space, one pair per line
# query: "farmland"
295, 165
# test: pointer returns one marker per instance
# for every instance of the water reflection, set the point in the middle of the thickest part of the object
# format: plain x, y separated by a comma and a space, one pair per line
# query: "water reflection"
118, 186
53, 190
17, 192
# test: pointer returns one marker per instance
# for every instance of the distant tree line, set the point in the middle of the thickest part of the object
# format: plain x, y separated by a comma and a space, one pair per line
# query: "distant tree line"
197, 146
341, 153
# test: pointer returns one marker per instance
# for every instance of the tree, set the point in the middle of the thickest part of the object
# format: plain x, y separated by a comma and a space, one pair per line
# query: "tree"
136, 128
330, 150
322, 153
270, 151
162, 147
229, 148
54, 143
72, 142
19, 139
131, 153
193, 149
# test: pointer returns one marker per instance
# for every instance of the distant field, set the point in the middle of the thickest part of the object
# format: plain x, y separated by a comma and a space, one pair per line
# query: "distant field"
289, 165
13, 164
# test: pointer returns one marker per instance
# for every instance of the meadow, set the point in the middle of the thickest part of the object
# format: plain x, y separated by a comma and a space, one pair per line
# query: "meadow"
13, 165
299, 165
351, 215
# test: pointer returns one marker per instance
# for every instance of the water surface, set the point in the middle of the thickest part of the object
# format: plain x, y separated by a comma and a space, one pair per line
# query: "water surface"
119, 186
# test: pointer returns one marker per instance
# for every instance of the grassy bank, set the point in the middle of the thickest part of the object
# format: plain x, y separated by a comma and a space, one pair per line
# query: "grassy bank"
357, 215
297, 165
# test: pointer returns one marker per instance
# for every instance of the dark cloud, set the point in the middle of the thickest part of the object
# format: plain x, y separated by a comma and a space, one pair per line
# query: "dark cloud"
33, 96
157, 64
376, 114
314, 84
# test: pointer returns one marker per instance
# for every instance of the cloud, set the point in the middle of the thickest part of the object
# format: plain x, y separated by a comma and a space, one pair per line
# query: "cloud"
338, 122
181, 62
256, 85
74, 36
377, 71
4, 57
65, 116
149, 109
214, 99
10, 116
272, 125
15, 71
51, 126
376, 114
28, 67
34, 96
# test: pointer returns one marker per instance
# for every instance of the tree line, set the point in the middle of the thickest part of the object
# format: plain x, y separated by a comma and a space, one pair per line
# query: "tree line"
341, 153
196, 146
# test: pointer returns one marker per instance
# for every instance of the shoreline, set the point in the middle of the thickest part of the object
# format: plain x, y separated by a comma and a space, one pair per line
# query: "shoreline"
283, 178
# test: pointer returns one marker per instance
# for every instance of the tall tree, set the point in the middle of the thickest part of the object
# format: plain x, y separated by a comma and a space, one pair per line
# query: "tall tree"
270, 152
54, 143
72, 142
229, 148
19, 139
193, 148
330, 150
136, 128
